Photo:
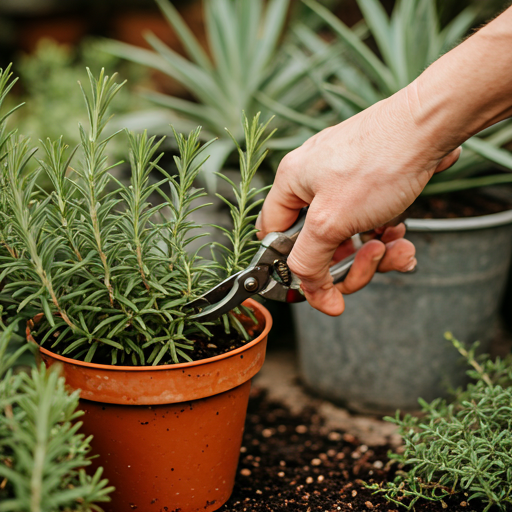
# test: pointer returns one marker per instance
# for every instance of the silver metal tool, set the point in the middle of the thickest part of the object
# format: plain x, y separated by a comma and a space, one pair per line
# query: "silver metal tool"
267, 275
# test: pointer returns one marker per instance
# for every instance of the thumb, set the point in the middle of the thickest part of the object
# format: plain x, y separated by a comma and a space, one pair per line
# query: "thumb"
280, 209
449, 160
310, 260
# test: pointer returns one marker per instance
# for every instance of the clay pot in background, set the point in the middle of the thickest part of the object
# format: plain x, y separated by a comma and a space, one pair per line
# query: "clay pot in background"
388, 349
131, 27
62, 29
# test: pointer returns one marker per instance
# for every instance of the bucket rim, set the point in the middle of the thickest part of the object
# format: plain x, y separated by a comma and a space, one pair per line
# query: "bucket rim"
491, 220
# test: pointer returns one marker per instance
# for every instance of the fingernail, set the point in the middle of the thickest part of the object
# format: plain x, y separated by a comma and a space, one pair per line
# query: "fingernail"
378, 258
412, 266
257, 224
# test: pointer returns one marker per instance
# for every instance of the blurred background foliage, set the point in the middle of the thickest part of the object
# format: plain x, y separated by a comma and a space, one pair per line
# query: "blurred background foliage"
190, 72
53, 101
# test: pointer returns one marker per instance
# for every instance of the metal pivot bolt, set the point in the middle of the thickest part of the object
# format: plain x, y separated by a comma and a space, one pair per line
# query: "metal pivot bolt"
251, 284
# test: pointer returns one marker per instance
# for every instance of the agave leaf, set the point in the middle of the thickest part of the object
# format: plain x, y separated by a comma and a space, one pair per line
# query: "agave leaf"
187, 38
366, 58
197, 113
298, 117
351, 98
378, 23
490, 152
272, 28
457, 28
466, 184
198, 81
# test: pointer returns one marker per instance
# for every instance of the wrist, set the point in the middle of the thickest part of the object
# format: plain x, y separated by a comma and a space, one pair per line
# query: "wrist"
467, 89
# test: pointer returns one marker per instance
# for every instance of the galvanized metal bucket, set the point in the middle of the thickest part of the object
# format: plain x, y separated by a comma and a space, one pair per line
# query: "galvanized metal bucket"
388, 348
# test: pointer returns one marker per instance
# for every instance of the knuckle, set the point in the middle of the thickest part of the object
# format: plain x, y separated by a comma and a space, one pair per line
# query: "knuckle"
289, 162
323, 225
318, 276
301, 269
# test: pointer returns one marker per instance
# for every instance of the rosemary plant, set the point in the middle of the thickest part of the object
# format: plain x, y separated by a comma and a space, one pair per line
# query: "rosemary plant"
109, 270
463, 447
42, 457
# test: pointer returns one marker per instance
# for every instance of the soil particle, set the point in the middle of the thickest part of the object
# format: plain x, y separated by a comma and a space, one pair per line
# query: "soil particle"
287, 476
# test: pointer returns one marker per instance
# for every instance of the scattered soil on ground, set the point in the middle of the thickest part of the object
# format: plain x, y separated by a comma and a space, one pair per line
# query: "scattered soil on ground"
455, 205
292, 463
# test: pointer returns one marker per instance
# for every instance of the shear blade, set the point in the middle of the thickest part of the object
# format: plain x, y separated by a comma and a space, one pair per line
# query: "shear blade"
229, 294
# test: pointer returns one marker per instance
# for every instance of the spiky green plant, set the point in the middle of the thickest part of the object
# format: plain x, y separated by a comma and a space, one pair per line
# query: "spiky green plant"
407, 41
110, 270
248, 71
461, 448
42, 455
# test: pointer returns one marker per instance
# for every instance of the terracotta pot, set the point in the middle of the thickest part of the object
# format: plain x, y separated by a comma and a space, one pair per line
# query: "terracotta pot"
168, 437
64, 30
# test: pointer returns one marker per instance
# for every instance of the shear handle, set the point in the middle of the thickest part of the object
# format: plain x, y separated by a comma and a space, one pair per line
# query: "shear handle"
340, 270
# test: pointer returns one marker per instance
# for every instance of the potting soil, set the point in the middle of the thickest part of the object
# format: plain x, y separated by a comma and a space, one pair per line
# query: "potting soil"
290, 463
455, 205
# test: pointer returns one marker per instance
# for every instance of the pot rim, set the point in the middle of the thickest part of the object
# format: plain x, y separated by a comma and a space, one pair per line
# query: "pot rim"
249, 302
491, 220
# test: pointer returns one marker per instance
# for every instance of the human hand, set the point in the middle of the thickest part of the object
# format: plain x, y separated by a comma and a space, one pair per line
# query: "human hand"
356, 176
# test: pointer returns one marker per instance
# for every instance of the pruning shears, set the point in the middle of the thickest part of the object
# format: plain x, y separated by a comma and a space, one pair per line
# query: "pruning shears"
267, 275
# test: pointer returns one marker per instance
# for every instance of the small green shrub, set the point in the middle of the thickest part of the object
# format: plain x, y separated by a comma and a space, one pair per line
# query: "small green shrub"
109, 269
54, 103
463, 447
42, 455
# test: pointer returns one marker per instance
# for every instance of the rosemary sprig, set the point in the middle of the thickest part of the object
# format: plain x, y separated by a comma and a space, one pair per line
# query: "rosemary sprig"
247, 198
42, 456
94, 170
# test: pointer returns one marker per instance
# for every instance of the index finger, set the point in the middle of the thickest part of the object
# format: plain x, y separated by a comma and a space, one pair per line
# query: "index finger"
311, 259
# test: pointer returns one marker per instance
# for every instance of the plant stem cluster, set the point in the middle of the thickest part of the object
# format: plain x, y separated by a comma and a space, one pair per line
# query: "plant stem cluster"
463, 447
111, 272
42, 455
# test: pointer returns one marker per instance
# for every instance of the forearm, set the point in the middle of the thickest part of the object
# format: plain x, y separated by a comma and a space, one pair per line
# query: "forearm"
468, 89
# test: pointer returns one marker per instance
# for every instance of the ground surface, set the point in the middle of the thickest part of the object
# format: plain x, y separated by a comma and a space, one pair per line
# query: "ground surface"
301, 453
291, 463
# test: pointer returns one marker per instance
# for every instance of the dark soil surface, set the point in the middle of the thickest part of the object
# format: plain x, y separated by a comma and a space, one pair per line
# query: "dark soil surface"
219, 344
455, 205
291, 463
204, 348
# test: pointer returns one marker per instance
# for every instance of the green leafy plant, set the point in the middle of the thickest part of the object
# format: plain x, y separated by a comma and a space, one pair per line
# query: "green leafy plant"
463, 447
108, 270
42, 455
50, 74
247, 71
406, 42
